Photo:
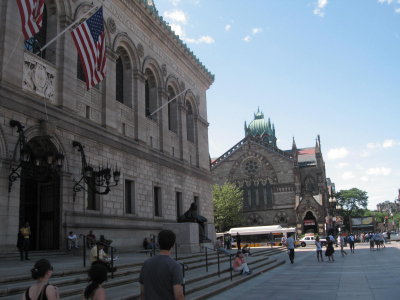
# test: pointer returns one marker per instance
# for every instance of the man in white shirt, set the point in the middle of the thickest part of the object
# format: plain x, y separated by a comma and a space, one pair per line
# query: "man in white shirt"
290, 247
72, 240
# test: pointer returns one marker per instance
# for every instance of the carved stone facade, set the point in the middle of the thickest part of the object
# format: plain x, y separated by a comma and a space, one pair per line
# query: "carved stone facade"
285, 188
162, 171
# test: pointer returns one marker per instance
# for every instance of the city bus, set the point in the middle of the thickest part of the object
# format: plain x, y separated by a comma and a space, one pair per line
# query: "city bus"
258, 236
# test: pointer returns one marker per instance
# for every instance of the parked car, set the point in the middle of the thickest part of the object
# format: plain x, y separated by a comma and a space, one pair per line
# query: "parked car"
394, 236
310, 240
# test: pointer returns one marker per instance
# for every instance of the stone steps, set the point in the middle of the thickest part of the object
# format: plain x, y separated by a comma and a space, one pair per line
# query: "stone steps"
72, 282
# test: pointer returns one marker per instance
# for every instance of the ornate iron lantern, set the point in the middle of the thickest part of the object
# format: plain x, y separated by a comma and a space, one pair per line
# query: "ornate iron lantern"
40, 162
96, 181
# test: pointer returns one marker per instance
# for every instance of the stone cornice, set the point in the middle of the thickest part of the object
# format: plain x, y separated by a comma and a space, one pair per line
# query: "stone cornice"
164, 34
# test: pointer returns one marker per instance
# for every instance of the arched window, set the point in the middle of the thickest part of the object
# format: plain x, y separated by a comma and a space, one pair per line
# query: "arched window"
119, 81
150, 95
172, 110
39, 39
45, 34
123, 78
189, 122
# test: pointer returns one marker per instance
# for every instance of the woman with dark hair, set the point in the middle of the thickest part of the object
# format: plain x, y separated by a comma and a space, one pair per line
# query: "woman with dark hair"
42, 290
97, 275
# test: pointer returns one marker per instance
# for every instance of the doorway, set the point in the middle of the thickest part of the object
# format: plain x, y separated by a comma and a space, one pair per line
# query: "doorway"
310, 223
40, 199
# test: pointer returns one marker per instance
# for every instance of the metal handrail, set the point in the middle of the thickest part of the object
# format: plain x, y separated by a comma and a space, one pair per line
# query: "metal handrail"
218, 262
184, 268
84, 244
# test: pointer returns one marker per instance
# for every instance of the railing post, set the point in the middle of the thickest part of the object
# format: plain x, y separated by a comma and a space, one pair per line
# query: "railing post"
112, 262
206, 260
153, 238
219, 274
84, 250
230, 264
183, 274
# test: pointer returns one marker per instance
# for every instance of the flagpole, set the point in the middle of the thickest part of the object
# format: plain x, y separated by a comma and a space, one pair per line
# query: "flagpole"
167, 102
69, 27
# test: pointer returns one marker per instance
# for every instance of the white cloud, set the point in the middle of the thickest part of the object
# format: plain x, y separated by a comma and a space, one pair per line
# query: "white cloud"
385, 1
347, 175
397, 11
319, 10
373, 145
247, 38
178, 29
365, 153
174, 2
364, 178
228, 27
379, 171
254, 31
337, 153
341, 165
201, 40
176, 16
388, 143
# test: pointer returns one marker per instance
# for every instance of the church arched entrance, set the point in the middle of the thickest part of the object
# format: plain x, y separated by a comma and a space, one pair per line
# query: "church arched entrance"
310, 223
40, 195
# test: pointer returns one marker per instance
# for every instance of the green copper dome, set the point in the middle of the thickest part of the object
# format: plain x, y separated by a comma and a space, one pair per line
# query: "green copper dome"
259, 127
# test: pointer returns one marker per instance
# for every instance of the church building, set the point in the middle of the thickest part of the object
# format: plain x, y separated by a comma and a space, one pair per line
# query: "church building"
280, 187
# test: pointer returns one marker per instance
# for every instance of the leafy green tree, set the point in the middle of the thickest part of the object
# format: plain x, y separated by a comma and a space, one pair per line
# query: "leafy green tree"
228, 205
354, 204
353, 201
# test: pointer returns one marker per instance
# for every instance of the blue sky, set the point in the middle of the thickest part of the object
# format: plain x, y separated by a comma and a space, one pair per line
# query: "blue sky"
327, 67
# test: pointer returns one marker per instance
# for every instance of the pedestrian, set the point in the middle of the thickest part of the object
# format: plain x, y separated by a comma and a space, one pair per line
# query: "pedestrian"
342, 244
319, 248
90, 239
161, 276
20, 244
97, 275
26, 233
41, 289
98, 256
238, 240
72, 240
240, 265
371, 241
388, 236
290, 247
377, 241
351, 241
329, 249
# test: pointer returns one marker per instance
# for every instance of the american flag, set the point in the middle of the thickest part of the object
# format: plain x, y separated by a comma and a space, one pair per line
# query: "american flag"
89, 41
31, 12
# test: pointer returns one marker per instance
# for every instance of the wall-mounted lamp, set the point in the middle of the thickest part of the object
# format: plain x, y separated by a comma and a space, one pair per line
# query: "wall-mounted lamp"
95, 181
39, 163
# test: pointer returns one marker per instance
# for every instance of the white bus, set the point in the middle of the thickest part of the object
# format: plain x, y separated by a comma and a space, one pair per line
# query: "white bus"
257, 236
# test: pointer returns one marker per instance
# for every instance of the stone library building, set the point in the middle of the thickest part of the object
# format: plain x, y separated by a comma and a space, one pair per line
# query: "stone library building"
124, 158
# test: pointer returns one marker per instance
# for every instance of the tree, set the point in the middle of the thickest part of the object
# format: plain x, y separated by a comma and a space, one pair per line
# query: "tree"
228, 205
353, 201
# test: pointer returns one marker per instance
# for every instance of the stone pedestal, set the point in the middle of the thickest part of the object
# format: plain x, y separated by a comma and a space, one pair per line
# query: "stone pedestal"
187, 236
209, 232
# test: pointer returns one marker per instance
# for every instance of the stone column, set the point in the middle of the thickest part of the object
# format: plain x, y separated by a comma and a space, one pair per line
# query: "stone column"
109, 114
138, 104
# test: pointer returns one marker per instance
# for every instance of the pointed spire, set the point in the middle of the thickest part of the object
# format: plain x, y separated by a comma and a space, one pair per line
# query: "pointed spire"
294, 146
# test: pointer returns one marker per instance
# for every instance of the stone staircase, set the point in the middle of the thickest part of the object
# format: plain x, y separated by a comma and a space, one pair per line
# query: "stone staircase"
199, 284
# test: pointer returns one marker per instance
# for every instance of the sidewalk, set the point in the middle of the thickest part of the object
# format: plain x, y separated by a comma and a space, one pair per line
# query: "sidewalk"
364, 275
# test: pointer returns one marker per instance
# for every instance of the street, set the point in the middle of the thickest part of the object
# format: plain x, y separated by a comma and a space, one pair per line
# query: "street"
363, 275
